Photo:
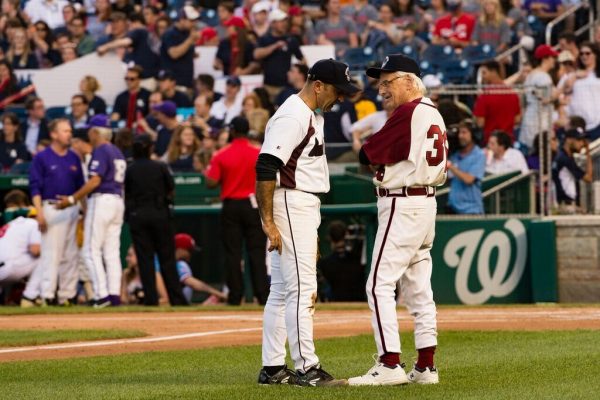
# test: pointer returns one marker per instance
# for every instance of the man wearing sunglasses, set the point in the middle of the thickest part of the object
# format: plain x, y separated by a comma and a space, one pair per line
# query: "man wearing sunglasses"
409, 156
132, 101
291, 172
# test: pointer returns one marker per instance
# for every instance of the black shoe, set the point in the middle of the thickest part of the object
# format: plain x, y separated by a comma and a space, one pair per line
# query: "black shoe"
285, 376
316, 376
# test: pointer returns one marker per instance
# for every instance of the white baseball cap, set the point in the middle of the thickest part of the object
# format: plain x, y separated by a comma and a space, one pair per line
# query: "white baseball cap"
277, 15
431, 81
261, 6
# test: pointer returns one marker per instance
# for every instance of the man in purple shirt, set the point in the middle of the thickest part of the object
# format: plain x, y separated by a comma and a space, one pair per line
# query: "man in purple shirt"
104, 217
56, 172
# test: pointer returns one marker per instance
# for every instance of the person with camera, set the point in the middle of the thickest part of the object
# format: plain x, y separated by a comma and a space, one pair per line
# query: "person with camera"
149, 192
466, 169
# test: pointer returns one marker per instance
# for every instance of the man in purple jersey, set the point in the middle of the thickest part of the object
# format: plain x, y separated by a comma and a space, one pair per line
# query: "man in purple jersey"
104, 217
55, 172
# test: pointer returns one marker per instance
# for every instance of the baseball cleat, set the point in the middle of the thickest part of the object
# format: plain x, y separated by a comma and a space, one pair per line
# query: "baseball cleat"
380, 375
285, 376
28, 303
316, 376
102, 303
429, 376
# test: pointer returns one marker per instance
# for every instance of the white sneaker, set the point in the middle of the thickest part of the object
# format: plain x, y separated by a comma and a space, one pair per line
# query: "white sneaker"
428, 377
379, 375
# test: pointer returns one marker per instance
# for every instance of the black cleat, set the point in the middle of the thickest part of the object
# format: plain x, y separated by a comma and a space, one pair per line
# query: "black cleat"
316, 376
285, 376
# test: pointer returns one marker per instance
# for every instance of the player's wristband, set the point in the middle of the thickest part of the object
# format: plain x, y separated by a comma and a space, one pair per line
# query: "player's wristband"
71, 200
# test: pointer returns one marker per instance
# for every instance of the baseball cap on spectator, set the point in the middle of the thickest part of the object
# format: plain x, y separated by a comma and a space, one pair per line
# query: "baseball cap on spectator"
335, 73
164, 74
166, 107
453, 5
185, 242
188, 12
544, 51
277, 15
261, 6
294, 11
565, 56
233, 81
395, 63
239, 125
207, 34
99, 121
576, 133
235, 21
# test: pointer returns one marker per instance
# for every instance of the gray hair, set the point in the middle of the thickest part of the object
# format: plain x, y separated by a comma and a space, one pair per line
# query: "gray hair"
418, 84
105, 133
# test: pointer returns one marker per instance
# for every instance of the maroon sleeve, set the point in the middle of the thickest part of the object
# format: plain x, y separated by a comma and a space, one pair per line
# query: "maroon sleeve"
392, 143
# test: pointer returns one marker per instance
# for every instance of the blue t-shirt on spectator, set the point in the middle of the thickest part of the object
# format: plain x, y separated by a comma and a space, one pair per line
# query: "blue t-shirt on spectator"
463, 198
183, 67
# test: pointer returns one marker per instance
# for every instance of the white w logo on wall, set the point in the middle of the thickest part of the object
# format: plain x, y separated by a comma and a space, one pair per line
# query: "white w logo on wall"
460, 252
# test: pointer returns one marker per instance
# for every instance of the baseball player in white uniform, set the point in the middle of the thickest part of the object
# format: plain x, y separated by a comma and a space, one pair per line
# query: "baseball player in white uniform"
409, 155
104, 217
291, 171
20, 242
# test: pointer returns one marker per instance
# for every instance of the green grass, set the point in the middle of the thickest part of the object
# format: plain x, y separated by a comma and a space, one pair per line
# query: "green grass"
472, 365
251, 307
14, 337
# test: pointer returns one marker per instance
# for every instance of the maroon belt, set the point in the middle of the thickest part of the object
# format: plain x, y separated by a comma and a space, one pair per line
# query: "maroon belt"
405, 192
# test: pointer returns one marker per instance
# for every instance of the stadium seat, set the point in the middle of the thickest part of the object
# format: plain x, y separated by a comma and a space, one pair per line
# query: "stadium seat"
478, 54
438, 54
209, 17
455, 71
359, 58
19, 110
406, 50
428, 68
56, 112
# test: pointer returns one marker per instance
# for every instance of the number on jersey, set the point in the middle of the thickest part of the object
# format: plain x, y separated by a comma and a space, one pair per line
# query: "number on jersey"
120, 167
440, 146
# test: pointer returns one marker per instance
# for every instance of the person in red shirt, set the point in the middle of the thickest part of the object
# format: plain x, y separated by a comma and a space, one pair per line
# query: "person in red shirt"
233, 167
498, 108
455, 28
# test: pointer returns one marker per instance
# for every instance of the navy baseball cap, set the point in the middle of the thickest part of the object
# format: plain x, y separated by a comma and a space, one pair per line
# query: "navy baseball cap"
233, 81
99, 121
453, 5
239, 125
576, 133
395, 63
335, 73
165, 74
166, 107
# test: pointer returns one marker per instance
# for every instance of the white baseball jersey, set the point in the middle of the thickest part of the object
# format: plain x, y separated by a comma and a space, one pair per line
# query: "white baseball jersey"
16, 236
295, 136
411, 148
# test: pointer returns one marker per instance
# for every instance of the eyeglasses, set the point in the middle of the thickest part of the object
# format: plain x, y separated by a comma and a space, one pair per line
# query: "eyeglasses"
76, 104
585, 53
386, 84
130, 79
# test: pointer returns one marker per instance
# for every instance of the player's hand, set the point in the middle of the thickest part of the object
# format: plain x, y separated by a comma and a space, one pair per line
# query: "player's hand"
63, 202
274, 237
42, 223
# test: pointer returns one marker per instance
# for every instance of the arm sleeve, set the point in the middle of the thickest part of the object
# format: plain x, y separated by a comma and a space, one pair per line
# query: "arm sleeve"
392, 143
35, 236
36, 173
477, 167
282, 137
577, 172
98, 164
296, 49
214, 169
267, 166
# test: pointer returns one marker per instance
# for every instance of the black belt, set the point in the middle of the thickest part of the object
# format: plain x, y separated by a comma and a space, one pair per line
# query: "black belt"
427, 191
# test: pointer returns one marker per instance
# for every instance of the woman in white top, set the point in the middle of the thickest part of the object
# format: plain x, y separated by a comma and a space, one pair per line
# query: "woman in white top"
538, 112
584, 89
502, 157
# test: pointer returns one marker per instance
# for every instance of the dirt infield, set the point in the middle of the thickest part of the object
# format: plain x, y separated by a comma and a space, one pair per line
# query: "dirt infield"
191, 330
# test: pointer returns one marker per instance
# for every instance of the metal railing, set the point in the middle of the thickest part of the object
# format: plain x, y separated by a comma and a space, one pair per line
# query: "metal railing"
550, 26
500, 191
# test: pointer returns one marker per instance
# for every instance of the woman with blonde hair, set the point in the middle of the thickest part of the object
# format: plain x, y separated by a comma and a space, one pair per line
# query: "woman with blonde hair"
256, 115
88, 86
491, 27
19, 54
180, 153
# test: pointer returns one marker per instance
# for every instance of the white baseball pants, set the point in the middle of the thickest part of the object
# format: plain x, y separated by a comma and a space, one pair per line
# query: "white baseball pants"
101, 244
58, 259
16, 269
290, 307
402, 253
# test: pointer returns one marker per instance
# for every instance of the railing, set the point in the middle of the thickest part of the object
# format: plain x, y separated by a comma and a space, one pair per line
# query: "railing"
513, 197
565, 15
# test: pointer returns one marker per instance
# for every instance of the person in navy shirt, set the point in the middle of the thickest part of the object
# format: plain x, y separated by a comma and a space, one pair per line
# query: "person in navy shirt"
167, 85
104, 217
467, 168
177, 47
56, 173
